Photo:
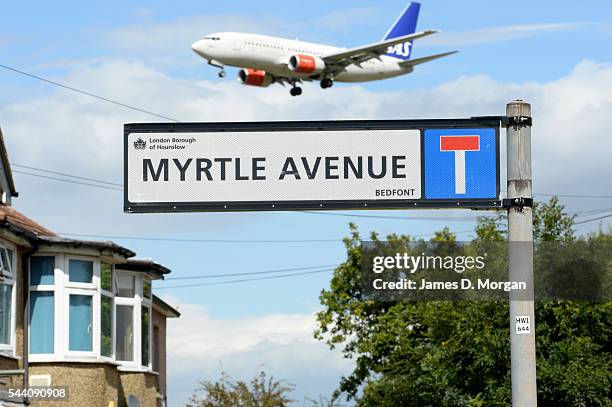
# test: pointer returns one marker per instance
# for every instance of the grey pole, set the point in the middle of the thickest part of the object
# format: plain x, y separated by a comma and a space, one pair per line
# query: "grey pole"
520, 237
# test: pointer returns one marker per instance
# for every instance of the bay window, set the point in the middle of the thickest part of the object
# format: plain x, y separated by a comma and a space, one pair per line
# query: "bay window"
83, 308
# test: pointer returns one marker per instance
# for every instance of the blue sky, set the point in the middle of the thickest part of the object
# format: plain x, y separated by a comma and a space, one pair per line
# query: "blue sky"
555, 54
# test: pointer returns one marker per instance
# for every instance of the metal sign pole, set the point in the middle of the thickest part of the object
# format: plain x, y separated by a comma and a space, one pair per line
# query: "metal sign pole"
520, 237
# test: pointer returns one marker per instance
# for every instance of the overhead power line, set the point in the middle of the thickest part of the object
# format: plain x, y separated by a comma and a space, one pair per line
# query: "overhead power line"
244, 280
66, 175
575, 195
67, 180
183, 240
118, 187
316, 213
431, 218
327, 266
593, 219
93, 95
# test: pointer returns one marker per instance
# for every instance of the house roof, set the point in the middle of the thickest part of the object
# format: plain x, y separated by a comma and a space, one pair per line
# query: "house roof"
7, 166
165, 308
13, 219
93, 244
145, 266
18, 223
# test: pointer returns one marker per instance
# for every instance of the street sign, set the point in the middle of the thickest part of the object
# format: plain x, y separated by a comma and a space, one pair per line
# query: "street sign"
461, 163
312, 165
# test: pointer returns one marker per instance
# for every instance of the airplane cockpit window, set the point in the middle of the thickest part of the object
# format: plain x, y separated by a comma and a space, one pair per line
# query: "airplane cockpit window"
212, 38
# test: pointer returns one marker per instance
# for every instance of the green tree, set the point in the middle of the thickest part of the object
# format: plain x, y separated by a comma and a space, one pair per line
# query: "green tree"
458, 353
226, 392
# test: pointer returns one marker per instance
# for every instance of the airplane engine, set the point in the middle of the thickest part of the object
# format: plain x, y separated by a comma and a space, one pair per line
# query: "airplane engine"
309, 64
254, 77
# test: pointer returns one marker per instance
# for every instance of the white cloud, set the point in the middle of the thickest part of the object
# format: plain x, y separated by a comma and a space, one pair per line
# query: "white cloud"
172, 39
499, 34
176, 36
200, 346
74, 133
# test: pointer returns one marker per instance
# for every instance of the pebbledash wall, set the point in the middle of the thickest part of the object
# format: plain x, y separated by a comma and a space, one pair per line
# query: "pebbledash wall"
92, 321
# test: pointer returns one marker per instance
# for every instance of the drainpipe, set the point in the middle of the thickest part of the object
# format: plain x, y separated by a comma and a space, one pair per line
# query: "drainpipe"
26, 316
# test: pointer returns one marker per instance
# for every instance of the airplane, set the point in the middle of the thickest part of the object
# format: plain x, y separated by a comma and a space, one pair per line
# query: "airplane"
265, 60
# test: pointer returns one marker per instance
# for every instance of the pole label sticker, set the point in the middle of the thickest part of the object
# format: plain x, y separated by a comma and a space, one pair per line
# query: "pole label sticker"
522, 325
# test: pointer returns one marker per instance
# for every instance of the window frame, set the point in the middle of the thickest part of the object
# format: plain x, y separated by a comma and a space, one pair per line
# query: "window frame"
95, 323
9, 278
56, 290
137, 303
111, 296
95, 272
146, 303
78, 288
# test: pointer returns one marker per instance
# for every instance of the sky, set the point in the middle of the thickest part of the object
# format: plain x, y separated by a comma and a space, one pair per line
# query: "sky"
556, 55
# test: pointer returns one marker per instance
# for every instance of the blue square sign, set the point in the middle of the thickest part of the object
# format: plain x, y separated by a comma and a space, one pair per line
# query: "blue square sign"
461, 163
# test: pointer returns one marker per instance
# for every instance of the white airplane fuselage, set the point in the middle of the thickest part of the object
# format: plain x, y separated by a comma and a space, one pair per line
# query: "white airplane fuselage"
271, 54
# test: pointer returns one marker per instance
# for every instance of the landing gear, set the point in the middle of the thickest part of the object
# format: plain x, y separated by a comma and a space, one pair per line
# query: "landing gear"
219, 65
326, 83
296, 91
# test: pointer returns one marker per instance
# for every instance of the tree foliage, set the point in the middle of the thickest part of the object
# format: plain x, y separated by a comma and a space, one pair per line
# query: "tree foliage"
458, 353
226, 392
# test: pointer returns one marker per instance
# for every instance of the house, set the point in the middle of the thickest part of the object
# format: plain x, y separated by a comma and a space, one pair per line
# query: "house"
91, 322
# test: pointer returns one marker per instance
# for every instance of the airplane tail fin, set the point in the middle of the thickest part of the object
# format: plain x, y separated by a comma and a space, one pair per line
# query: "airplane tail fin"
405, 24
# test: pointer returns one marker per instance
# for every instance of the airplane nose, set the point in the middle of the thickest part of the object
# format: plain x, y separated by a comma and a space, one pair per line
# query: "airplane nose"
199, 47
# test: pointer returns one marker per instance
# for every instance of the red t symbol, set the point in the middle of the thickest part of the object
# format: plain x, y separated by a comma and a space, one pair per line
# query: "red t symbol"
460, 144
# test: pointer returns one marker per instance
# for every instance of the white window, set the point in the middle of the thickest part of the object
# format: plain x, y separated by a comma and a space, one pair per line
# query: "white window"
133, 320
81, 303
42, 304
7, 299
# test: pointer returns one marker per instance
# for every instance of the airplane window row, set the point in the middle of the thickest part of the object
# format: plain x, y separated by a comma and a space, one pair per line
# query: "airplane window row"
261, 44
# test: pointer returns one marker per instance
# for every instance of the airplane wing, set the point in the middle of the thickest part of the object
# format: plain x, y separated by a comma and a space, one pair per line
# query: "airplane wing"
361, 54
417, 61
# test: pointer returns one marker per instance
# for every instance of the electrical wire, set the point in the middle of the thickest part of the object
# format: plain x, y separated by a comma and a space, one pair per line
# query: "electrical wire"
593, 219
67, 180
327, 266
182, 240
66, 175
244, 280
93, 95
